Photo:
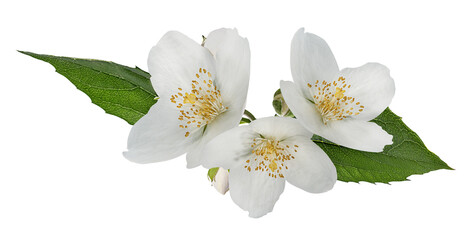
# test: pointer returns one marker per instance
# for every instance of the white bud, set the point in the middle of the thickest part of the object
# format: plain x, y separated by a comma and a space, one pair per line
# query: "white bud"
220, 182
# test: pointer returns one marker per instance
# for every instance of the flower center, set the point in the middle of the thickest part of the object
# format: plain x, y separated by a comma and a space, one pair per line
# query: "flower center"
331, 102
270, 156
200, 104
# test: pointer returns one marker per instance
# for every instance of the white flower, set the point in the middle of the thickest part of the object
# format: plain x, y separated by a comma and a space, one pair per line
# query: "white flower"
202, 93
262, 155
334, 104
220, 182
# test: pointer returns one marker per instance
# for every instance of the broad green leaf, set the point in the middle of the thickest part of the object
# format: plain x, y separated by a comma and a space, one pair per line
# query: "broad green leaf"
405, 157
119, 90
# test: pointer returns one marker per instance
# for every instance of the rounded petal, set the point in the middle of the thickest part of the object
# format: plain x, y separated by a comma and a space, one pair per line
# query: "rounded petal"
223, 122
372, 86
174, 61
311, 169
229, 148
305, 111
357, 134
254, 191
279, 128
232, 57
157, 137
311, 59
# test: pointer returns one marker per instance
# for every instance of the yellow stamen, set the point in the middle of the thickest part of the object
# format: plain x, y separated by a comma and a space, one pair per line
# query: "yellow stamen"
200, 105
190, 98
273, 165
269, 156
331, 101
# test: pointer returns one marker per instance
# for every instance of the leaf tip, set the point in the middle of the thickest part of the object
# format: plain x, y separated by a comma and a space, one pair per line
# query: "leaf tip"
28, 53
449, 168
24, 52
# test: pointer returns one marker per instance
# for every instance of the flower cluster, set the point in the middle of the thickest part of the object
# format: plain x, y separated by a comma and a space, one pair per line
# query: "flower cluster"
202, 92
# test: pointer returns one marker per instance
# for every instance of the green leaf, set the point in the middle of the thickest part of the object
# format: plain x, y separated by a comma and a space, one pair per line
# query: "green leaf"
405, 157
119, 90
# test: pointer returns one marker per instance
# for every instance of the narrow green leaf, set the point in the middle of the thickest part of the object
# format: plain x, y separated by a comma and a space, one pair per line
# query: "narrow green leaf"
245, 120
249, 115
405, 157
119, 90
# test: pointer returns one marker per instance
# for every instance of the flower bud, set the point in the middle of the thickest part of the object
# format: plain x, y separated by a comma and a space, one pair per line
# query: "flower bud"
280, 106
220, 181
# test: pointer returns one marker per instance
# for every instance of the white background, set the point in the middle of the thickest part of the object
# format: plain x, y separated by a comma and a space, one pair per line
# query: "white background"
62, 175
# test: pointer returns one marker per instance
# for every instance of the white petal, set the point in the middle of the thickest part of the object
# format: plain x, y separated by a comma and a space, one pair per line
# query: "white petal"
174, 61
372, 86
223, 122
352, 133
279, 128
157, 136
229, 148
305, 111
193, 156
311, 59
311, 169
254, 191
231, 54
357, 134
232, 57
